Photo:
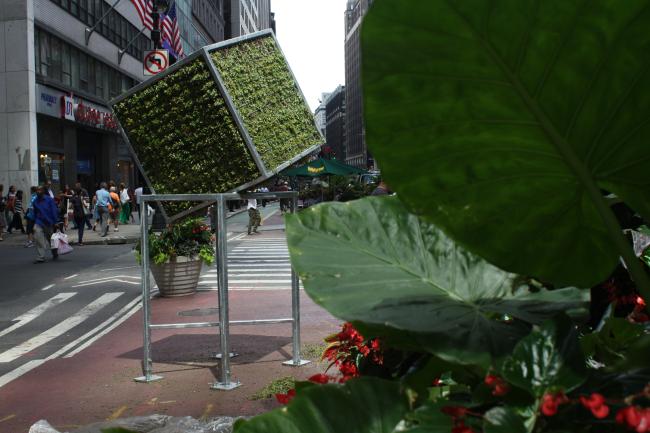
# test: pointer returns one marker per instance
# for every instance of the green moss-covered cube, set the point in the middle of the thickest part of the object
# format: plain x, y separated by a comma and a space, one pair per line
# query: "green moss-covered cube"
200, 127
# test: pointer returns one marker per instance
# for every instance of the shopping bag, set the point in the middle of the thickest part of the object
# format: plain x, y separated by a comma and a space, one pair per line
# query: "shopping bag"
64, 247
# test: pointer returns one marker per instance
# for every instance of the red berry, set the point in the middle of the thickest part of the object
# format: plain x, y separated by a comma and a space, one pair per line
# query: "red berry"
454, 411
319, 378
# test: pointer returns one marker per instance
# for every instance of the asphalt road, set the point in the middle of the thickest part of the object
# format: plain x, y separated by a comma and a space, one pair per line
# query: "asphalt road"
59, 308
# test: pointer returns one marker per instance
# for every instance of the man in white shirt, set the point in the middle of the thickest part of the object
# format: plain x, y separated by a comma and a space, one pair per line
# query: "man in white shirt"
138, 194
254, 218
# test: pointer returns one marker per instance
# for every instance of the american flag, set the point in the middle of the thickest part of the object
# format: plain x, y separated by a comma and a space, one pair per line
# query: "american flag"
171, 37
145, 9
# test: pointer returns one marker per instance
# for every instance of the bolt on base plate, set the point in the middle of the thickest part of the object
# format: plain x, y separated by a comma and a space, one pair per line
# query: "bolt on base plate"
300, 363
230, 355
146, 379
225, 386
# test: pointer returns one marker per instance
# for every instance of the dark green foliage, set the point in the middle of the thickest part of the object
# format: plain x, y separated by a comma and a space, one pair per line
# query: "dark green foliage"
260, 84
184, 135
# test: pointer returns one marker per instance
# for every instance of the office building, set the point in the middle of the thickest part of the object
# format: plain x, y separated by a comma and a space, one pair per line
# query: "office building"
59, 65
320, 114
247, 16
356, 149
335, 122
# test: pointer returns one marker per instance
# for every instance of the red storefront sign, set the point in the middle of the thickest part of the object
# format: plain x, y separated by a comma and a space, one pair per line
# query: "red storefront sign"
88, 115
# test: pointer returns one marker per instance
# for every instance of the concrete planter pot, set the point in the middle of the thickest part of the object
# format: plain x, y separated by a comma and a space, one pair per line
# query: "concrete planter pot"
177, 278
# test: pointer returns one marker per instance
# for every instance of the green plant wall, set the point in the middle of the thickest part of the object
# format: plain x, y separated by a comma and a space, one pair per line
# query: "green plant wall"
184, 136
262, 88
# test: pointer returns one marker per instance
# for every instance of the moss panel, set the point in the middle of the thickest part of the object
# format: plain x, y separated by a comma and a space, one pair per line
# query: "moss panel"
264, 92
184, 136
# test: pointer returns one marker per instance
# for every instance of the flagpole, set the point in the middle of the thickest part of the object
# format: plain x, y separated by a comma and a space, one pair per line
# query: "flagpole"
120, 53
90, 31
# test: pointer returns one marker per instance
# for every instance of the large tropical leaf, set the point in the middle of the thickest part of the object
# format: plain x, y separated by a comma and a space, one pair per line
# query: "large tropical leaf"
373, 262
549, 358
501, 120
365, 405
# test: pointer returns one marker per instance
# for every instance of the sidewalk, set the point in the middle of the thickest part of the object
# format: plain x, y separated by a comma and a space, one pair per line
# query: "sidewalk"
97, 383
127, 234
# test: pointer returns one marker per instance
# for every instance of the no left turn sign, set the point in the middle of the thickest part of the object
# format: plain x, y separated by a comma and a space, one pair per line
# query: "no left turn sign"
155, 61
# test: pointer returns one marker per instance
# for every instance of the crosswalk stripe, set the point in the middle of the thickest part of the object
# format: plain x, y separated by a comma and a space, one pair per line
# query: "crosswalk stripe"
59, 329
35, 312
17, 372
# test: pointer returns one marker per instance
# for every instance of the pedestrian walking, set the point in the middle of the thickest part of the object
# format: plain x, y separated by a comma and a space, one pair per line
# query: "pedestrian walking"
18, 214
45, 218
86, 197
29, 217
382, 189
102, 200
3, 208
138, 195
254, 218
125, 201
9, 208
115, 207
79, 206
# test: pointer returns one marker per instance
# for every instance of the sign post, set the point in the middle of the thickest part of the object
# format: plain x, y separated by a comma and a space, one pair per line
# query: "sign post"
155, 61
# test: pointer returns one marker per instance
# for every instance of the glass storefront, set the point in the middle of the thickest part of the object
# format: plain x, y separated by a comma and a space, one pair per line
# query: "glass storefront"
50, 167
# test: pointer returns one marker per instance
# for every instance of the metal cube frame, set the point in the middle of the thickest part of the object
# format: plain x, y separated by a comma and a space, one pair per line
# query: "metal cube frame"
266, 172
226, 382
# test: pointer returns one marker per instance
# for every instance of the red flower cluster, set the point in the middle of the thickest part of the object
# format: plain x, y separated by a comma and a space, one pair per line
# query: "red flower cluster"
499, 386
457, 413
596, 404
635, 418
344, 348
551, 402
321, 378
285, 398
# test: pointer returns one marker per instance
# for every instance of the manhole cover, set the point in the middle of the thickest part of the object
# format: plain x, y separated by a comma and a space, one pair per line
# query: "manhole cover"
199, 312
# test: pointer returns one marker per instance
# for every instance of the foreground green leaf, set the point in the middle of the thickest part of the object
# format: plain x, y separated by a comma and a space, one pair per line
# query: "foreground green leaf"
550, 357
502, 120
503, 420
363, 405
403, 277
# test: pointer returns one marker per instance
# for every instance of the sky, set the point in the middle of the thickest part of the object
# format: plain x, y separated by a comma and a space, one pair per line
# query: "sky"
311, 34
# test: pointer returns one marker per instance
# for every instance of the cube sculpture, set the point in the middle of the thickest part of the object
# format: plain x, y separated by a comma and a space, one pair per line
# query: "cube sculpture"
223, 119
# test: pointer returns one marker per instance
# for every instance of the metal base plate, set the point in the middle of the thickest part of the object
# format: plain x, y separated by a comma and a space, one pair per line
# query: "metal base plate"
145, 379
230, 355
225, 386
293, 364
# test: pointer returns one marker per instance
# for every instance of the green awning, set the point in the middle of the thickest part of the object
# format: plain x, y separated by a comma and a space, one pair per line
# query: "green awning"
322, 166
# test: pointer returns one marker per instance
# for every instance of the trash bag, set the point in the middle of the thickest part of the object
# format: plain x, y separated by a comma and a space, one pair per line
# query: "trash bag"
42, 426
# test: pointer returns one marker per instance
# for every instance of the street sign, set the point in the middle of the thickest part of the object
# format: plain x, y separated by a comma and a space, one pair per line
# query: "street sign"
155, 61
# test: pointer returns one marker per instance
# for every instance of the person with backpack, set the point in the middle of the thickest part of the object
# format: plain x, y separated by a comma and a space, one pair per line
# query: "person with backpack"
46, 216
115, 207
29, 217
18, 213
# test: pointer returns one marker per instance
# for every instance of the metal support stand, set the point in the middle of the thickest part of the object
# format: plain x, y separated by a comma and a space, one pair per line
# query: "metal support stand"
121, 52
146, 298
225, 382
295, 309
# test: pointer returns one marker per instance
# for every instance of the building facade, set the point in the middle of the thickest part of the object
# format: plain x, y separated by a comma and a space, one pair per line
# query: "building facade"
356, 149
335, 122
320, 114
247, 16
59, 66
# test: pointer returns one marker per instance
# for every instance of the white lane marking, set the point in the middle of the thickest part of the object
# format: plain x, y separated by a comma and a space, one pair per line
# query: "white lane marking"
247, 270
261, 255
248, 274
113, 280
233, 266
59, 329
136, 277
47, 287
16, 373
253, 250
93, 331
71, 276
270, 214
117, 323
35, 312
123, 267
248, 281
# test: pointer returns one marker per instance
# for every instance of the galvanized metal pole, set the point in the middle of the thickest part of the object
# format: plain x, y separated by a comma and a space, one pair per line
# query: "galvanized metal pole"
295, 307
147, 367
226, 382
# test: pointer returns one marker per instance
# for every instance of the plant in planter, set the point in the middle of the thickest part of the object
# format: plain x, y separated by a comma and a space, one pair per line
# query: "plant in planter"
498, 124
177, 255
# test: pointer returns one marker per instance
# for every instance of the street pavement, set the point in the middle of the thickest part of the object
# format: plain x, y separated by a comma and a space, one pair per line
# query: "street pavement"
72, 329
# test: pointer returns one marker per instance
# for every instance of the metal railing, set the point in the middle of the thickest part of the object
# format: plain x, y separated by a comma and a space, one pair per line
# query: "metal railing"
225, 381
